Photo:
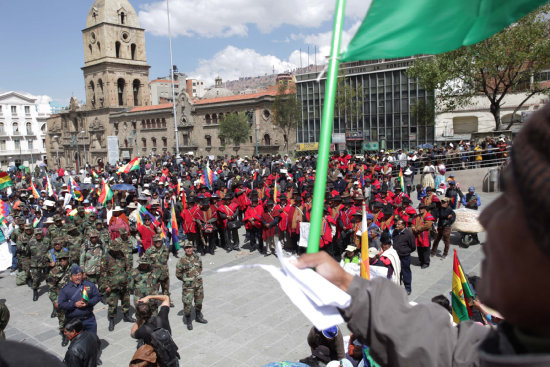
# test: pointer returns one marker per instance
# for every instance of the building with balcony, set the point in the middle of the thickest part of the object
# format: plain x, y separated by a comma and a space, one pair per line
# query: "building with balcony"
22, 131
385, 108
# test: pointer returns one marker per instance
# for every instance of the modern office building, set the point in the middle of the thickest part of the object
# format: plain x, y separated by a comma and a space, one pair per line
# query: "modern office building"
387, 110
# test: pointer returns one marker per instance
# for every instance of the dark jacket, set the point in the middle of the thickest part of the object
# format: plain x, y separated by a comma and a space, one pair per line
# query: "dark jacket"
404, 242
71, 293
442, 214
83, 350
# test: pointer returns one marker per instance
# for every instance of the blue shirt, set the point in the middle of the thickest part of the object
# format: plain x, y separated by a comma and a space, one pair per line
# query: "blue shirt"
72, 293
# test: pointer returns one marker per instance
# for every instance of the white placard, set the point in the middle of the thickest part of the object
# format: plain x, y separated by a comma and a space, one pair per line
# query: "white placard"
304, 234
112, 149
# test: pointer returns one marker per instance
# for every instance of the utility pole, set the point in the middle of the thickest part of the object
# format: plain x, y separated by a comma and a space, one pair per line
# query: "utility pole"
172, 75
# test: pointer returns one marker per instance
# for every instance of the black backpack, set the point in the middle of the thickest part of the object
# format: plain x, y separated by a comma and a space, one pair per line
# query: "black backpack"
165, 348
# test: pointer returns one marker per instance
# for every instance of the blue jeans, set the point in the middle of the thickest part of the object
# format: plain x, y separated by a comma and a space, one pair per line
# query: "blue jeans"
13, 249
406, 274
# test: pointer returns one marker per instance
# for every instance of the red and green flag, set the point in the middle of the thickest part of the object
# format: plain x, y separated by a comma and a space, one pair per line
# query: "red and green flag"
85, 296
74, 190
461, 293
95, 175
401, 180
34, 192
130, 166
5, 180
106, 193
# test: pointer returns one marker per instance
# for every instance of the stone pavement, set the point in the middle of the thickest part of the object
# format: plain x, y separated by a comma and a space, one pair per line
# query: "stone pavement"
250, 320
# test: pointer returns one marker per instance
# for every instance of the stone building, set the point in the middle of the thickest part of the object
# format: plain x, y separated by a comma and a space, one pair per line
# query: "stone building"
116, 77
208, 112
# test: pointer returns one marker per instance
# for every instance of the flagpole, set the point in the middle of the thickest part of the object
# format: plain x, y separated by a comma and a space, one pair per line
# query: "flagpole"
172, 76
326, 131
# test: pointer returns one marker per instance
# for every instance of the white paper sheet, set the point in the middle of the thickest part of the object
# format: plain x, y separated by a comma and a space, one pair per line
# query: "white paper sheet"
316, 297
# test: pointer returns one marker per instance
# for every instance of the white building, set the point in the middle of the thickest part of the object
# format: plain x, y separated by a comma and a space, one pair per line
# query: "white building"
195, 88
22, 130
477, 118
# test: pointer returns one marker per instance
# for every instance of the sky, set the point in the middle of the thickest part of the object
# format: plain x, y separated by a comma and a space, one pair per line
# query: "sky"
42, 48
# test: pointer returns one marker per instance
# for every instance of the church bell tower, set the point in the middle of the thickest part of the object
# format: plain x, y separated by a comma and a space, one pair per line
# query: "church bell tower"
116, 73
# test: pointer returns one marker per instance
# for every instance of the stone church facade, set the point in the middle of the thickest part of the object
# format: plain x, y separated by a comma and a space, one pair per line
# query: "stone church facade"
116, 76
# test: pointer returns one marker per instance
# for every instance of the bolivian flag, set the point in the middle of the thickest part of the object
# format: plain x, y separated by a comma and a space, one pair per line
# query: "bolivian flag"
85, 297
106, 193
130, 166
5, 180
461, 293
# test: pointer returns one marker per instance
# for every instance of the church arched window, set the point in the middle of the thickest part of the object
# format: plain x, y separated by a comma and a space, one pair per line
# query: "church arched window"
135, 90
133, 50
117, 49
120, 89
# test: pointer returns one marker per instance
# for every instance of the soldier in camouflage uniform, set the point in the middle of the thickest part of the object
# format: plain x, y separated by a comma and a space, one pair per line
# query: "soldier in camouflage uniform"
189, 271
127, 244
23, 253
57, 229
73, 241
59, 276
114, 282
103, 232
91, 257
158, 255
53, 258
143, 280
79, 218
89, 223
39, 260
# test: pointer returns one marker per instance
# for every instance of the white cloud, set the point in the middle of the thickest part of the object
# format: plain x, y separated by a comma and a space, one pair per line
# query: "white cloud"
232, 63
225, 18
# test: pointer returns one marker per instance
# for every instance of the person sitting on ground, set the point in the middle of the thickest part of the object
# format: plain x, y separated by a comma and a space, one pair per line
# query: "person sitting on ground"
326, 345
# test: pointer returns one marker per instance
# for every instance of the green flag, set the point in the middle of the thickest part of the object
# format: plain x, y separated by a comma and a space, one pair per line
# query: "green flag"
401, 28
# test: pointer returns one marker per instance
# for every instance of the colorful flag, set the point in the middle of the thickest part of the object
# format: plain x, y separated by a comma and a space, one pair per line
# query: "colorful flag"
183, 199
174, 226
35, 193
35, 222
95, 175
401, 180
255, 175
178, 188
275, 189
5, 180
365, 265
49, 188
3, 219
458, 201
74, 190
5, 209
85, 297
209, 176
461, 293
130, 166
403, 28
106, 193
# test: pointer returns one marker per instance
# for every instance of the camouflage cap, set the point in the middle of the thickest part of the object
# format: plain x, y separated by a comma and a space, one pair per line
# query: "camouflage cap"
144, 260
123, 230
71, 227
92, 233
157, 238
187, 243
93, 214
59, 240
38, 231
28, 226
80, 209
63, 255
57, 217
115, 245
98, 221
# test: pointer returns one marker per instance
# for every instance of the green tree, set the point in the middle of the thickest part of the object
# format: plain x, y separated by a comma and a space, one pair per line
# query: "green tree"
509, 62
234, 127
349, 102
287, 110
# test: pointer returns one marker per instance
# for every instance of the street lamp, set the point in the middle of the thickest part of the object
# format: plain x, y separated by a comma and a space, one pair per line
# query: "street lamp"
84, 146
56, 137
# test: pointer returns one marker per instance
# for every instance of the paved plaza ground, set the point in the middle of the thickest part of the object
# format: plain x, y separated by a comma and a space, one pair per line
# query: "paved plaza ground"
251, 322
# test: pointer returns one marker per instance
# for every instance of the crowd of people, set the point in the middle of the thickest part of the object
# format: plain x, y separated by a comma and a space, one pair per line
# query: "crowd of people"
62, 229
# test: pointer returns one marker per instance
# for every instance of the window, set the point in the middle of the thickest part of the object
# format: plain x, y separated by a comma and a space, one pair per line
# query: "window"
208, 140
92, 88
186, 140
43, 143
2, 131
91, 49
15, 128
163, 122
117, 49
2, 145
99, 46
214, 118
154, 141
133, 50
136, 92
267, 139
144, 142
207, 119
14, 110
27, 110
17, 143
30, 144
222, 141
120, 85
250, 138
122, 17
164, 142
29, 128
